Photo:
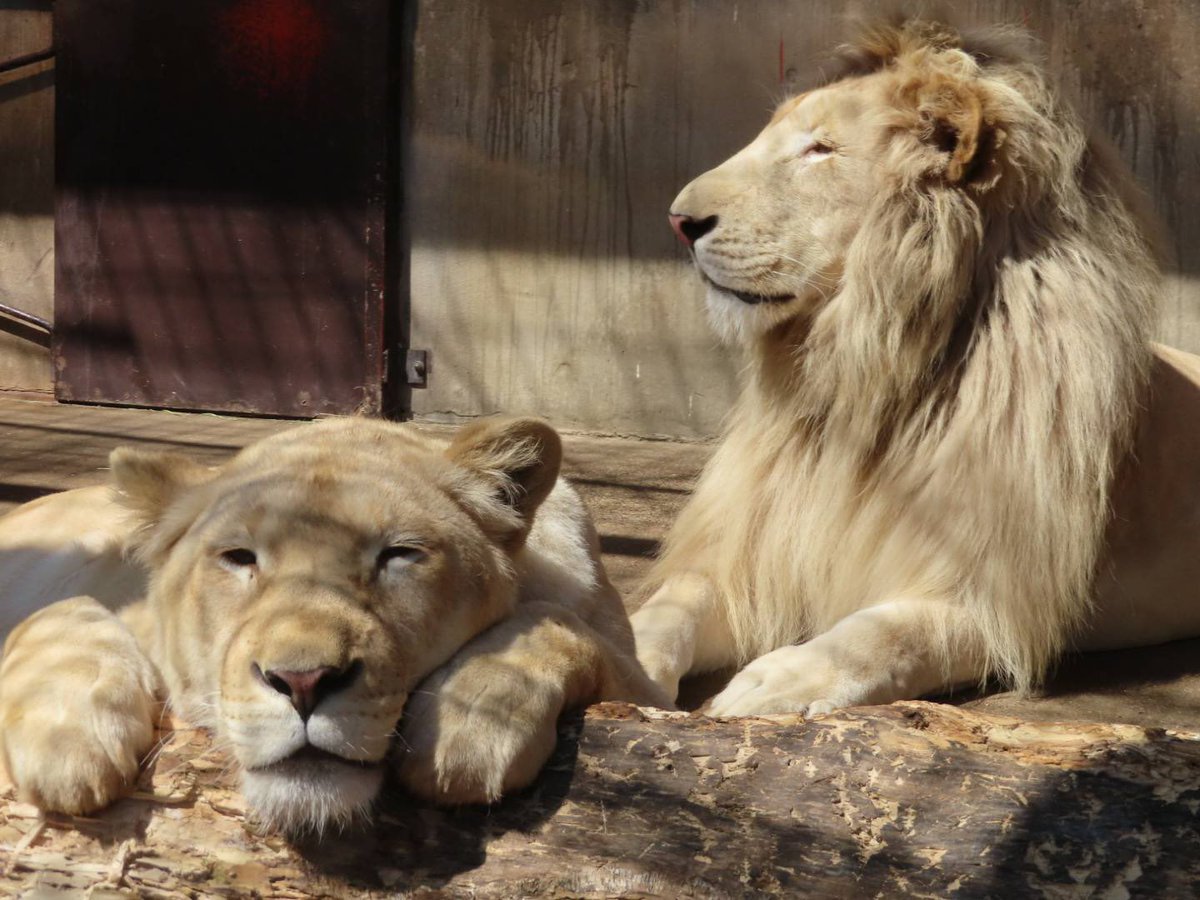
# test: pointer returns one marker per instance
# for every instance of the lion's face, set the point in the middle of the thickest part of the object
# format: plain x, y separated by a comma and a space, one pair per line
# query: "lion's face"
770, 227
301, 591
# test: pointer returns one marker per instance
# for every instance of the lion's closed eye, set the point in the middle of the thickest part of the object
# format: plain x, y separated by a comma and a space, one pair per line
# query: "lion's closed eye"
399, 556
816, 149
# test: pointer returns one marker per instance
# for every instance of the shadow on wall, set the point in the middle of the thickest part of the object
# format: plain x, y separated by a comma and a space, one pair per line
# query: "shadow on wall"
25, 158
548, 140
530, 118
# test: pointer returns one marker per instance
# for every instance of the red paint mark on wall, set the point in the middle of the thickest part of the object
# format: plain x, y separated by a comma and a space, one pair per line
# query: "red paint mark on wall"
273, 46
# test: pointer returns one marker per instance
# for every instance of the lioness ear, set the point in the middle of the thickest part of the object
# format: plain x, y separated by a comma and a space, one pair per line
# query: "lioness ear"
512, 466
148, 482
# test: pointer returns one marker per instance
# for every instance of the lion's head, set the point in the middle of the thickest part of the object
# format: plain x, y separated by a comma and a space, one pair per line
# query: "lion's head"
299, 592
928, 153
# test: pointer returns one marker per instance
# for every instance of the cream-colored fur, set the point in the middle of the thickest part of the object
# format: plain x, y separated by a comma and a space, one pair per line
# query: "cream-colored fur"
945, 299
354, 555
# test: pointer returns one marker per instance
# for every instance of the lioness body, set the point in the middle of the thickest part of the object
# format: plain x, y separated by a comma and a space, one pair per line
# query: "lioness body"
297, 595
955, 445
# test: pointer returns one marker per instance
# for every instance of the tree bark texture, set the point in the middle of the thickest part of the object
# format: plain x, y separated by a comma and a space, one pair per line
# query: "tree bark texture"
912, 799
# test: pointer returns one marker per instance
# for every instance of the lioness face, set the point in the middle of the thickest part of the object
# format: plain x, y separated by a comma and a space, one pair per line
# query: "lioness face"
770, 228
301, 592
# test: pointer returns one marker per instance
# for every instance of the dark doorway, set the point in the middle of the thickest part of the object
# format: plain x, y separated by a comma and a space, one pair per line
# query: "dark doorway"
223, 178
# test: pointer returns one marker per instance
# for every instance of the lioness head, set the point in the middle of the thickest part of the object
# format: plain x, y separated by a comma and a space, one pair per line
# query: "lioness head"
921, 122
300, 591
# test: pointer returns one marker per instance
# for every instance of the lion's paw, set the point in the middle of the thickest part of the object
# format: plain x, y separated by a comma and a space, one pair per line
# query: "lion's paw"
795, 680
464, 745
79, 754
663, 671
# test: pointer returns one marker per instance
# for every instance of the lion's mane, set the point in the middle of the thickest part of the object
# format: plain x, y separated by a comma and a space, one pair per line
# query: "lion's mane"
950, 423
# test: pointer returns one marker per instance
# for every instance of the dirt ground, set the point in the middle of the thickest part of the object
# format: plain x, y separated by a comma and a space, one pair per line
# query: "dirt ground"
634, 489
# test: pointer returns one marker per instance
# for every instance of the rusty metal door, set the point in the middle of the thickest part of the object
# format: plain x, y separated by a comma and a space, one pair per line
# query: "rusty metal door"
222, 176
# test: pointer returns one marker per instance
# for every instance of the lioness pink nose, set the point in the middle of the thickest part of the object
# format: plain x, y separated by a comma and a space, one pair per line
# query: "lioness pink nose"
307, 688
690, 230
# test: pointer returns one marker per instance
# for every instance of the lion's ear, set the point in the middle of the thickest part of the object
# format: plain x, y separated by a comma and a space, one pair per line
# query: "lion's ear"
953, 121
148, 483
511, 465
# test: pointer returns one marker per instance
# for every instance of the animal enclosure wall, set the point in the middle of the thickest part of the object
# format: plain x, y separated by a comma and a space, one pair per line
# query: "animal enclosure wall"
549, 138
26, 196
543, 143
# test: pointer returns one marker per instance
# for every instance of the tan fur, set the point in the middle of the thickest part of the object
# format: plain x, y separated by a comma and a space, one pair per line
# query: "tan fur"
285, 560
940, 390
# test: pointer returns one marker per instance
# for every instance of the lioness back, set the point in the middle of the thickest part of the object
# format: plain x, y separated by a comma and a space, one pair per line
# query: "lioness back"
62, 546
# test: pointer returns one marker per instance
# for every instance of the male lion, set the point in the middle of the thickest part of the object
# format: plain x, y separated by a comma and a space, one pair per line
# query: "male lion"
297, 595
931, 475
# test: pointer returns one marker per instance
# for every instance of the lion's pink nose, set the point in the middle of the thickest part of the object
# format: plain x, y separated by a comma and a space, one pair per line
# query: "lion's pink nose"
690, 230
307, 688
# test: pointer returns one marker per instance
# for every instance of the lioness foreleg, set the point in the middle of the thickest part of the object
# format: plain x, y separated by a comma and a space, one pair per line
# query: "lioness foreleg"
898, 650
485, 723
77, 698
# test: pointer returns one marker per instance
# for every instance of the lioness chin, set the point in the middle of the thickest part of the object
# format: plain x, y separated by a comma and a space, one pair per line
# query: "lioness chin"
956, 453
292, 601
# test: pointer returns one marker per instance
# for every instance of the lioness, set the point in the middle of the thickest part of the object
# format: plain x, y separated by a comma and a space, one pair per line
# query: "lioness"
297, 595
956, 453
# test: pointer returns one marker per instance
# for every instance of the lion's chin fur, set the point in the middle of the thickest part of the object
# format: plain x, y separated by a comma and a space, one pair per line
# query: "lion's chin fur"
738, 323
309, 797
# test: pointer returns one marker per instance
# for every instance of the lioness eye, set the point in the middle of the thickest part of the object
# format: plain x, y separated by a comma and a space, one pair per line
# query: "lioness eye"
238, 558
818, 148
400, 555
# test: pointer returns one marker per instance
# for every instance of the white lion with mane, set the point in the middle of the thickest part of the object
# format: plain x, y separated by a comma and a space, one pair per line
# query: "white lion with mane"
956, 453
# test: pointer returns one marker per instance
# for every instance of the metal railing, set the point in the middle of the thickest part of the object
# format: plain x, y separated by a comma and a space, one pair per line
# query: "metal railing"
29, 59
27, 317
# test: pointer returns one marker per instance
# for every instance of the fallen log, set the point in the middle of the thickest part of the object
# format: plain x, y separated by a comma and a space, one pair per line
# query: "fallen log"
913, 799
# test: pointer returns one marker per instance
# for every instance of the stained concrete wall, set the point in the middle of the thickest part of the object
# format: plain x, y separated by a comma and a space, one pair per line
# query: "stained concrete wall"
546, 140
26, 197
549, 138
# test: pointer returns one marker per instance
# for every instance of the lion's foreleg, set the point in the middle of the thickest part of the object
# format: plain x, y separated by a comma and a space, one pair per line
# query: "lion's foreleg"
680, 630
484, 723
898, 650
77, 699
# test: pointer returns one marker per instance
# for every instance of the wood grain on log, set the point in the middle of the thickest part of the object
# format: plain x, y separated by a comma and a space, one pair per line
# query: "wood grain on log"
913, 799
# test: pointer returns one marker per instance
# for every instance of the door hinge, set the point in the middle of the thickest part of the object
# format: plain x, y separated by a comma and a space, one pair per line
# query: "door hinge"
416, 366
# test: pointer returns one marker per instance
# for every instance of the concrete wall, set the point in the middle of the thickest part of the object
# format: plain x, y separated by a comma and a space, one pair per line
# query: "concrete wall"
26, 197
547, 140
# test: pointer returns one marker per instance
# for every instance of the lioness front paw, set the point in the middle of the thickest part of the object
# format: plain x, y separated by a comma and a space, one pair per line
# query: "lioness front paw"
77, 701
788, 680
76, 757
463, 744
